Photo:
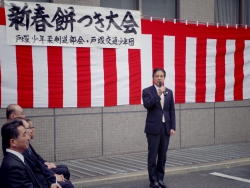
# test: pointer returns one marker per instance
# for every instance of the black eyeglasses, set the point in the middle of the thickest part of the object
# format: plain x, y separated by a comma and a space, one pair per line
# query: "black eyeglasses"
30, 128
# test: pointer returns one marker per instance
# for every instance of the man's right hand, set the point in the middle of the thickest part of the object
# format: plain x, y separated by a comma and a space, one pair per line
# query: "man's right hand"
55, 185
161, 90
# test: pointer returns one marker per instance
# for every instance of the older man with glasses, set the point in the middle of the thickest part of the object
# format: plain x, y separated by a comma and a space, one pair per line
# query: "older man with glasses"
58, 169
38, 165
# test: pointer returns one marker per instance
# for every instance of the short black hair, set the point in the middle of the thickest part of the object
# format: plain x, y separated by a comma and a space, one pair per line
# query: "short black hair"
10, 131
159, 69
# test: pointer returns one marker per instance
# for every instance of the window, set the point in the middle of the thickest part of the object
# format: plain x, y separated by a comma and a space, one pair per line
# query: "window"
232, 12
227, 11
44, 1
160, 8
128, 4
155, 8
245, 15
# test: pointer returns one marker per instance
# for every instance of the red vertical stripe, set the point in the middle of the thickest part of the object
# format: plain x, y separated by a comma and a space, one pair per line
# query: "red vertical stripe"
146, 27
0, 85
2, 16
24, 76
134, 58
180, 69
157, 46
157, 51
220, 70
238, 73
201, 70
110, 77
83, 77
55, 77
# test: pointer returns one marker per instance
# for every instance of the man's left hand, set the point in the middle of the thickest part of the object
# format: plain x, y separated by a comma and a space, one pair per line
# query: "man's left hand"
55, 185
60, 177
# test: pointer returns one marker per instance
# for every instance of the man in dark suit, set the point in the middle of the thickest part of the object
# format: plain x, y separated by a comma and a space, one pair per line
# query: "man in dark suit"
44, 175
14, 172
14, 111
160, 125
57, 169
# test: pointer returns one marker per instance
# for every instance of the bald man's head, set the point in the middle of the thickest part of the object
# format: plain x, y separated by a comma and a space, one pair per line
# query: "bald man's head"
14, 111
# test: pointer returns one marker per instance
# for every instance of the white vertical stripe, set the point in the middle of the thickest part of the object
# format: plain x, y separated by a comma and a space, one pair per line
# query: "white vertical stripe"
97, 77
191, 44
69, 77
210, 70
8, 71
246, 71
40, 76
122, 76
229, 70
169, 62
146, 61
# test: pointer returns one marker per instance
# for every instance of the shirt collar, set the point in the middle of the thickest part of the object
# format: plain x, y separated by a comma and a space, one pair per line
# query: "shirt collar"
156, 87
19, 155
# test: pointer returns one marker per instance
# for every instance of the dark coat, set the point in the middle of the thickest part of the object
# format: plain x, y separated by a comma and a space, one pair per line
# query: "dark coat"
151, 101
14, 173
44, 175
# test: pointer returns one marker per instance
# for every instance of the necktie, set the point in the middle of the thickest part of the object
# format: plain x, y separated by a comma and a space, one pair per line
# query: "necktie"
25, 162
30, 152
162, 105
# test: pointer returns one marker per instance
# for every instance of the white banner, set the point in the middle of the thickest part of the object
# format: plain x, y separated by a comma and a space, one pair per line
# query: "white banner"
49, 24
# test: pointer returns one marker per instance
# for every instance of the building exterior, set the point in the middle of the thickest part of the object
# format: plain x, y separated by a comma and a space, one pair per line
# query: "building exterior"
72, 133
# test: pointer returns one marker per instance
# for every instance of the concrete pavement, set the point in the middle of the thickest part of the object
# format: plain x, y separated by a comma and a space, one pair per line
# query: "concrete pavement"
129, 167
229, 177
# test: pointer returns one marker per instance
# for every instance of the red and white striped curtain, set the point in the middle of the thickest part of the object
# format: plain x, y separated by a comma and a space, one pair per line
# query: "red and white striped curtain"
203, 64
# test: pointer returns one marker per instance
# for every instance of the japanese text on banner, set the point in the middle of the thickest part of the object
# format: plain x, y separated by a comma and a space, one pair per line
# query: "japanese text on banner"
49, 24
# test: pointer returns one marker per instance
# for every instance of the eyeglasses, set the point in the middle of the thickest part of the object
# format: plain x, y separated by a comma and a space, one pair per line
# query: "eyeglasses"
30, 128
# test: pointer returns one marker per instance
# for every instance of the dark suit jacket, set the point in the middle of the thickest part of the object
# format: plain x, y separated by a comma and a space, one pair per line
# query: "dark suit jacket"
3, 147
151, 101
60, 169
37, 155
44, 175
14, 173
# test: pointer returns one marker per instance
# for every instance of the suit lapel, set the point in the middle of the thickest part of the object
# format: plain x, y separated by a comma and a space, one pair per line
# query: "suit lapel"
154, 92
8, 154
167, 98
32, 149
29, 171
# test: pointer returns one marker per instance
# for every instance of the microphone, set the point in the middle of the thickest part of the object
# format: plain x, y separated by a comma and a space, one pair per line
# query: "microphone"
164, 92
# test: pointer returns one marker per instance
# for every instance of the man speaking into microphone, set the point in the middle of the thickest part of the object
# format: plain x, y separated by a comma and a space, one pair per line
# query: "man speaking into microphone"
160, 125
